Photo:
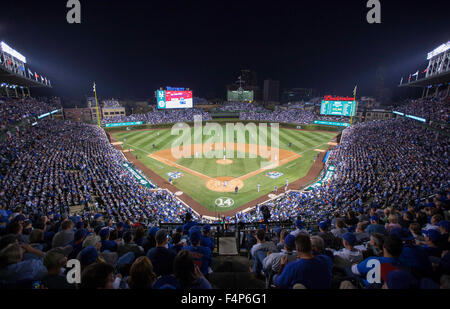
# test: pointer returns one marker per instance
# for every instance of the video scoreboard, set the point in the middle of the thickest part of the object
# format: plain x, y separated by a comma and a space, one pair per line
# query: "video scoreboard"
338, 106
170, 99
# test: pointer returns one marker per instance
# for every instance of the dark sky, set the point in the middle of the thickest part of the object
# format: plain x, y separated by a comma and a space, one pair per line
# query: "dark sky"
131, 48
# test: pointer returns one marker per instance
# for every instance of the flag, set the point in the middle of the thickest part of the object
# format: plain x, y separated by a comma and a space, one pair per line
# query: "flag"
416, 74
94, 87
409, 78
30, 73
42, 78
354, 90
49, 83
426, 70
401, 81
46, 81
36, 75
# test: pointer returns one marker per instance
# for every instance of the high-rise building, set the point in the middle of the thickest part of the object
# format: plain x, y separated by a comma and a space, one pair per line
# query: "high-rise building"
271, 92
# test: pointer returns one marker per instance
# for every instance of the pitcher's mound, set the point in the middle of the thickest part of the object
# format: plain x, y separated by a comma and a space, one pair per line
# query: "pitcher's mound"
224, 162
224, 184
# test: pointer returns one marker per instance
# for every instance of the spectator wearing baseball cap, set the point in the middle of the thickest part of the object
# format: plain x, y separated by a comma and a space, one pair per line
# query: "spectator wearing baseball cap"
330, 241
433, 238
413, 257
160, 256
189, 223
205, 240
202, 255
107, 244
349, 254
375, 227
272, 263
299, 228
314, 272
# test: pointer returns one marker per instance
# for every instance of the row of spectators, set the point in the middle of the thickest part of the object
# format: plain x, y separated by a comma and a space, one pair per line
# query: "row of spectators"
241, 106
34, 251
60, 164
286, 116
15, 110
161, 116
434, 109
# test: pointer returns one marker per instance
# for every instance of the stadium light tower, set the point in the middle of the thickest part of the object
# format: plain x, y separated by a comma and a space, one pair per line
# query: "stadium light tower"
96, 105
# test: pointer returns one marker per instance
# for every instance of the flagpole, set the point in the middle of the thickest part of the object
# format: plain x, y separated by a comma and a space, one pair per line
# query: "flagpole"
96, 105
354, 99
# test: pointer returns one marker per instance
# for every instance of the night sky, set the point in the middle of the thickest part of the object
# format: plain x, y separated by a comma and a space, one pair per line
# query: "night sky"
131, 48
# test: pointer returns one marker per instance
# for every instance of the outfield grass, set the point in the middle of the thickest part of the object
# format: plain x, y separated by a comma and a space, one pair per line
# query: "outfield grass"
303, 143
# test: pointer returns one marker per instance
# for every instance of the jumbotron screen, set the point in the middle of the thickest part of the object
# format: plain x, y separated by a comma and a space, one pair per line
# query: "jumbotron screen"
174, 99
240, 96
338, 106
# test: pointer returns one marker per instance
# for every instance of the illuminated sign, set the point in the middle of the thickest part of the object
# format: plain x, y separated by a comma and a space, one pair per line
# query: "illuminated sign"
338, 108
331, 98
174, 89
54, 112
44, 115
123, 124
398, 113
331, 123
416, 118
12, 52
443, 48
240, 96
166, 99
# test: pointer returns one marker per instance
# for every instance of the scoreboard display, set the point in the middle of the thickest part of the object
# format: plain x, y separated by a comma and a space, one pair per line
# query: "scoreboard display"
174, 99
240, 96
336, 106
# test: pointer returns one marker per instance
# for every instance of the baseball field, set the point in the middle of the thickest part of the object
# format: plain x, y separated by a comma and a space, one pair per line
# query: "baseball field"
210, 179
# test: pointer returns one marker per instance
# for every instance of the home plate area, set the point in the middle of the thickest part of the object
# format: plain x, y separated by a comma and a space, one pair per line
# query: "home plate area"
224, 184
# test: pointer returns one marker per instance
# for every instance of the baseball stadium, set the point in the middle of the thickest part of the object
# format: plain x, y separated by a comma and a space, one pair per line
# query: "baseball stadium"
110, 179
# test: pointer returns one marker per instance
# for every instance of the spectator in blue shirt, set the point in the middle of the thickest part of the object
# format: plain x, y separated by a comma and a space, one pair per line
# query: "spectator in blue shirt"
206, 241
189, 223
160, 256
201, 255
392, 249
314, 272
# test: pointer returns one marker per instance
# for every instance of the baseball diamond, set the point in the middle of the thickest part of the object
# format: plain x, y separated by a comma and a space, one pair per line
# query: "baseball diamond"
206, 178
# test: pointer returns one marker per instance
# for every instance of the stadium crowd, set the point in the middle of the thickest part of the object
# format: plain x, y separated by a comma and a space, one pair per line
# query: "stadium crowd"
241, 106
432, 109
15, 110
285, 116
388, 201
161, 116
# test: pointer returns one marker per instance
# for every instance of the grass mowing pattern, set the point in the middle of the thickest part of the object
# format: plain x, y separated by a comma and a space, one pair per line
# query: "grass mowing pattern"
303, 142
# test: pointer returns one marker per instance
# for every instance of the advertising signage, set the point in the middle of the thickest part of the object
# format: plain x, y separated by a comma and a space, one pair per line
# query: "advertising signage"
174, 99
338, 108
331, 123
123, 124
